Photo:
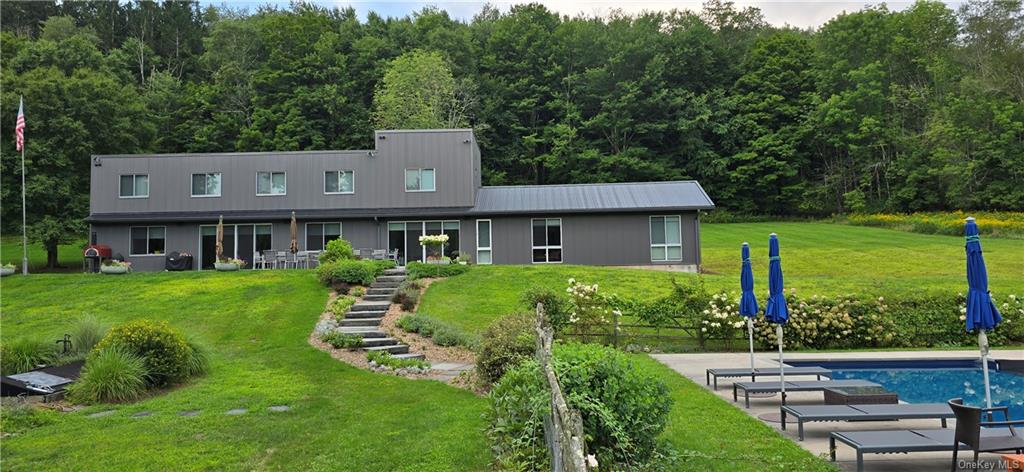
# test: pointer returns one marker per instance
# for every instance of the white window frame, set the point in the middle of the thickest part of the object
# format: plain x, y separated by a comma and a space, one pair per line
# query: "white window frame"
490, 243
547, 249
405, 178
336, 172
305, 234
271, 172
131, 254
666, 245
133, 176
220, 188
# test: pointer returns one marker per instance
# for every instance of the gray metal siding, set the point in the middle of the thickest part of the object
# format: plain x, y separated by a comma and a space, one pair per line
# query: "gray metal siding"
604, 239
379, 180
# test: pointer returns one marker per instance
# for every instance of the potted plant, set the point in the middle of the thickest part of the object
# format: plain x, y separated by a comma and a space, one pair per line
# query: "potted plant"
462, 258
114, 267
228, 265
6, 269
438, 240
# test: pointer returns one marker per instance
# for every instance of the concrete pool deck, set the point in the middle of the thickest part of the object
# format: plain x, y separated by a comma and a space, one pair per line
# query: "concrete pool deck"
693, 366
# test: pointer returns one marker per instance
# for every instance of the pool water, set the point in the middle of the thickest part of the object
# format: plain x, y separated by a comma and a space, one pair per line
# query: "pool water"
922, 382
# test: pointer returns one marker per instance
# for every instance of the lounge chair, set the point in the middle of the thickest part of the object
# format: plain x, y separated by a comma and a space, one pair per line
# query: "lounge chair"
714, 374
899, 441
799, 386
970, 433
905, 411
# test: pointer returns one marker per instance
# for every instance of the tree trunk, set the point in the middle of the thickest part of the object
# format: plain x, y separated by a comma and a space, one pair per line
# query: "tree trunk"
51, 255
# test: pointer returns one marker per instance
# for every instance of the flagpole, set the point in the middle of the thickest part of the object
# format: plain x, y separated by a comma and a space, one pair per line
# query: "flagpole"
24, 232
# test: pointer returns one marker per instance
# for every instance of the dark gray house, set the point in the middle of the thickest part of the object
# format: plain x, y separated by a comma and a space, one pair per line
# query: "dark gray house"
413, 182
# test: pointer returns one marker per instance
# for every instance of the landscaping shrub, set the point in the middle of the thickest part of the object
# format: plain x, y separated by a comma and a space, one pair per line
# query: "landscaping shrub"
1007, 224
506, 342
348, 272
339, 340
407, 296
386, 359
164, 351
419, 270
111, 374
20, 355
336, 250
443, 334
384, 264
87, 333
517, 405
624, 408
198, 362
556, 305
340, 305
357, 291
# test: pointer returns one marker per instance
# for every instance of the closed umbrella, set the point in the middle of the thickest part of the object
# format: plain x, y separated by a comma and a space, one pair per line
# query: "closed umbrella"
982, 314
220, 238
776, 311
295, 236
748, 302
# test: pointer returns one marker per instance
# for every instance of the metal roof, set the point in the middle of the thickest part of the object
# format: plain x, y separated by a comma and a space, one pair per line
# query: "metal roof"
593, 198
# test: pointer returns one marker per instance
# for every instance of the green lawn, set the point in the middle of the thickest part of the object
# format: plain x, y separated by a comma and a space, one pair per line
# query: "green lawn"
256, 324
817, 258
69, 256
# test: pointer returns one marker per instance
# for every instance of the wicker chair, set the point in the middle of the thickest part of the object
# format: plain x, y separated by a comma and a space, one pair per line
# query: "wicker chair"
968, 430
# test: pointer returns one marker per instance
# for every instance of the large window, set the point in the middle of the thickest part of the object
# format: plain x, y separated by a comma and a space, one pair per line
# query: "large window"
134, 186
419, 180
319, 234
147, 240
547, 240
240, 241
206, 185
666, 239
339, 181
483, 241
271, 183
404, 236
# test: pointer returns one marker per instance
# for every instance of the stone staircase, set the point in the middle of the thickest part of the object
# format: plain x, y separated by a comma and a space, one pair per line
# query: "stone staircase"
364, 318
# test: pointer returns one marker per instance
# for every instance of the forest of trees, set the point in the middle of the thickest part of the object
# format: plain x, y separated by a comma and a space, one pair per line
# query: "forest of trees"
877, 110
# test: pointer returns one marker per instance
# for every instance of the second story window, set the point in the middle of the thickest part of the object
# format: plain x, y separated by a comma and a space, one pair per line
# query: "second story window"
339, 181
271, 183
419, 180
206, 185
134, 186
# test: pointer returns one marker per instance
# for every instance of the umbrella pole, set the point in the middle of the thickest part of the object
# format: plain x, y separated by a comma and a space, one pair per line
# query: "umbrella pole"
782, 370
983, 343
750, 335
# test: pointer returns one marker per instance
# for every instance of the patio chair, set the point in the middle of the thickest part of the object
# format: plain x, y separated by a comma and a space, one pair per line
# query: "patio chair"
302, 259
281, 259
393, 255
797, 386
258, 262
713, 374
379, 254
903, 411
314, 258
269, 258
969, 430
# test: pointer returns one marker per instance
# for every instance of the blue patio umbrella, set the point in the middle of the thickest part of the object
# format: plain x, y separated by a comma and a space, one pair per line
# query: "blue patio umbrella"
982, 314
776, 310
748, 302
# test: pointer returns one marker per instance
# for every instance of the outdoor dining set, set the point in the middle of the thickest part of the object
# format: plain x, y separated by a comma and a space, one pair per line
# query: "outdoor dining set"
275, 259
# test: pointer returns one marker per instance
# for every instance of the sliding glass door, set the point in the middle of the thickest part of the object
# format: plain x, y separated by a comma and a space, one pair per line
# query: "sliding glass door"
405, 237
240, 242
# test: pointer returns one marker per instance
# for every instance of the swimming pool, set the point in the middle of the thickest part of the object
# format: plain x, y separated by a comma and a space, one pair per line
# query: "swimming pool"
928, 381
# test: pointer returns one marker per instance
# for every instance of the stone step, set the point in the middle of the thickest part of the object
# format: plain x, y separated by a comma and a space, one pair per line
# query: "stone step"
360, 322
371, 306
385, 284
411, 355
367, 332
377, 297
352, 315
395, 271
393, 349
390, 278
381, 291
375, 342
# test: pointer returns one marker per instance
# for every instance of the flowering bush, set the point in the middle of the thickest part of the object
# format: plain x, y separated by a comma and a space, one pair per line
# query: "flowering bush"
590, 312
433, 239
721, 319
822, 322
990, 223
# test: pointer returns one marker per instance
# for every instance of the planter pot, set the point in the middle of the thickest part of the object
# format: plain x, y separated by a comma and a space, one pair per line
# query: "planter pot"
463, 263
225, 267
113, 270
5, 271
438, 261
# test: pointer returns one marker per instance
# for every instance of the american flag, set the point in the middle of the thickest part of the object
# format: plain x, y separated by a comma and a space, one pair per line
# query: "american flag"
19, 128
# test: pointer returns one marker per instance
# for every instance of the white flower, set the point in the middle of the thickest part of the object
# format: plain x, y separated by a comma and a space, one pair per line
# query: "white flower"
592, 461
881, 299
963, 317
572, 281
1013, 297
703, 330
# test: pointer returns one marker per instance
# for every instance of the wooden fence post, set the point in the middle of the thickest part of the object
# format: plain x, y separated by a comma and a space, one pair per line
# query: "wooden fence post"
563, 430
